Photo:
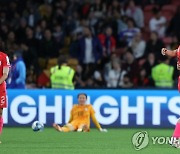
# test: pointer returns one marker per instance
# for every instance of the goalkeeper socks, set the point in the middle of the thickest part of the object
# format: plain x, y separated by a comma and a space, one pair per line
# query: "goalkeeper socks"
1, 124
177, 130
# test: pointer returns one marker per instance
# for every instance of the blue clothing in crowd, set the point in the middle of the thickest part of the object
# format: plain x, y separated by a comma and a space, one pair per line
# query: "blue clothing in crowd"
17, 75
96, 49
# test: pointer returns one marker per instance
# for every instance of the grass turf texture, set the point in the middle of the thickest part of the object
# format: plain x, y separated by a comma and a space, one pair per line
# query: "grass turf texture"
115, 141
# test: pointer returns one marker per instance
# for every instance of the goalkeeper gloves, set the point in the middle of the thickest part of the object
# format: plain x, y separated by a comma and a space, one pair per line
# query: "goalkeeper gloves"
102, 130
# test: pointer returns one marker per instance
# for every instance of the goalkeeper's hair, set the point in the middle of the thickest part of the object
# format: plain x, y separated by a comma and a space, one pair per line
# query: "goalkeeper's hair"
82, 94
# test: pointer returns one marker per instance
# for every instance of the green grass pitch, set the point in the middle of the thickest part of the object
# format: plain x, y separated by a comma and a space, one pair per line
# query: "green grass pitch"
115, 141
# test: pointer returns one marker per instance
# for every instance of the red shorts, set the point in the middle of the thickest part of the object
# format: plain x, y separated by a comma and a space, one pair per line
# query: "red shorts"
3, 99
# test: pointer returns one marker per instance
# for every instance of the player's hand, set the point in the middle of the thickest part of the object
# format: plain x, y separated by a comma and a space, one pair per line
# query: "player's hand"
163, 51
102, 130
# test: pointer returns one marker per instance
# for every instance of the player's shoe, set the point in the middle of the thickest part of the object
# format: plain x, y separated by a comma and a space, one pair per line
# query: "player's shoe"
175, 144
57, 127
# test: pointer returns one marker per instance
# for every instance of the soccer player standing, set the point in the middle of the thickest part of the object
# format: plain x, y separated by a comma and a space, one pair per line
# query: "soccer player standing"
175, 53
4, 70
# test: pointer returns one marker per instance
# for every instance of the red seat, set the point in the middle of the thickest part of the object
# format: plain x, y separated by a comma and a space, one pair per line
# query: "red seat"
168, 15
169, 8
175, 2
149, 7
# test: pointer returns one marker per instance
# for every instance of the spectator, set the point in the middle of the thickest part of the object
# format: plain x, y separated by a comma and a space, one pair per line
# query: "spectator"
79, 83
21, 30
47, 46
32, 17
136, 13
108, 42
4, 31
11, 38
29, 47
174, 24
150, 62
74, 45
162, 74
115, 75
131, 65
121, 23
142, 79
138, 46
45, 10
38, 34
154, 45
90, 51
58, 35
108, 66
128, 34
3, 18
158, 23
98, 9
98, 77
69, 25
127, 82
115, 7
17, 76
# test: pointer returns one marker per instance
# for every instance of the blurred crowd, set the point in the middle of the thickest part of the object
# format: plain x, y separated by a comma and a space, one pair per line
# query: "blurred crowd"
109, 43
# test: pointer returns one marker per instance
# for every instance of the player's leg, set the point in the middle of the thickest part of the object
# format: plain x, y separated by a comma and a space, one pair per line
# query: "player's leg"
176, 135
3, 104
66, 128
1, 121
57, 127
83, 127
177, 130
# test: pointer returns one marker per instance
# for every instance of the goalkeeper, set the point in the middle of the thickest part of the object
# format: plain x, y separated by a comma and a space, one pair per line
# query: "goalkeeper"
80, 117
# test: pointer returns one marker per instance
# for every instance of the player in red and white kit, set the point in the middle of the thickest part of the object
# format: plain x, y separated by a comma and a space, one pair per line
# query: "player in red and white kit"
4, 70
175, 53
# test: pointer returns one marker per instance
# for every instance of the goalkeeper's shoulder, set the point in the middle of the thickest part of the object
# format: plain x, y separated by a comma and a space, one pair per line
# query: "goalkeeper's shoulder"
89, 105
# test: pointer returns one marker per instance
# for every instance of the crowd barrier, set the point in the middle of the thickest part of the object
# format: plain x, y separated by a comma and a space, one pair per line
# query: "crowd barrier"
114, 108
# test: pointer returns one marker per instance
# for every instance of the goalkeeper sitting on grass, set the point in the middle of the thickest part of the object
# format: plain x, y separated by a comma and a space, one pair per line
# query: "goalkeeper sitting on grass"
80, 117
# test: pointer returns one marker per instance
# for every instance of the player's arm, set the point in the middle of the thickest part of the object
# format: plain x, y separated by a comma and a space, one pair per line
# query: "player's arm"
71, 115
171, 53
71, 118
5, 74
95, 121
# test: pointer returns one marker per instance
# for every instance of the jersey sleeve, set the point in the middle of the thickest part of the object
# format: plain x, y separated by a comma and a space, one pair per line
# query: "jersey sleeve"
91, 110
71, 117
71, 113
5, 61
92, 113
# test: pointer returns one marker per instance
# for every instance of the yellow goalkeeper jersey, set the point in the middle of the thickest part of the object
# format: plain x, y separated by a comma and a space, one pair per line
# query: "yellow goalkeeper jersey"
82, 114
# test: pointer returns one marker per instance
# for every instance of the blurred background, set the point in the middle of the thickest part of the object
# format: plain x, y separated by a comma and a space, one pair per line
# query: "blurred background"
108, 43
